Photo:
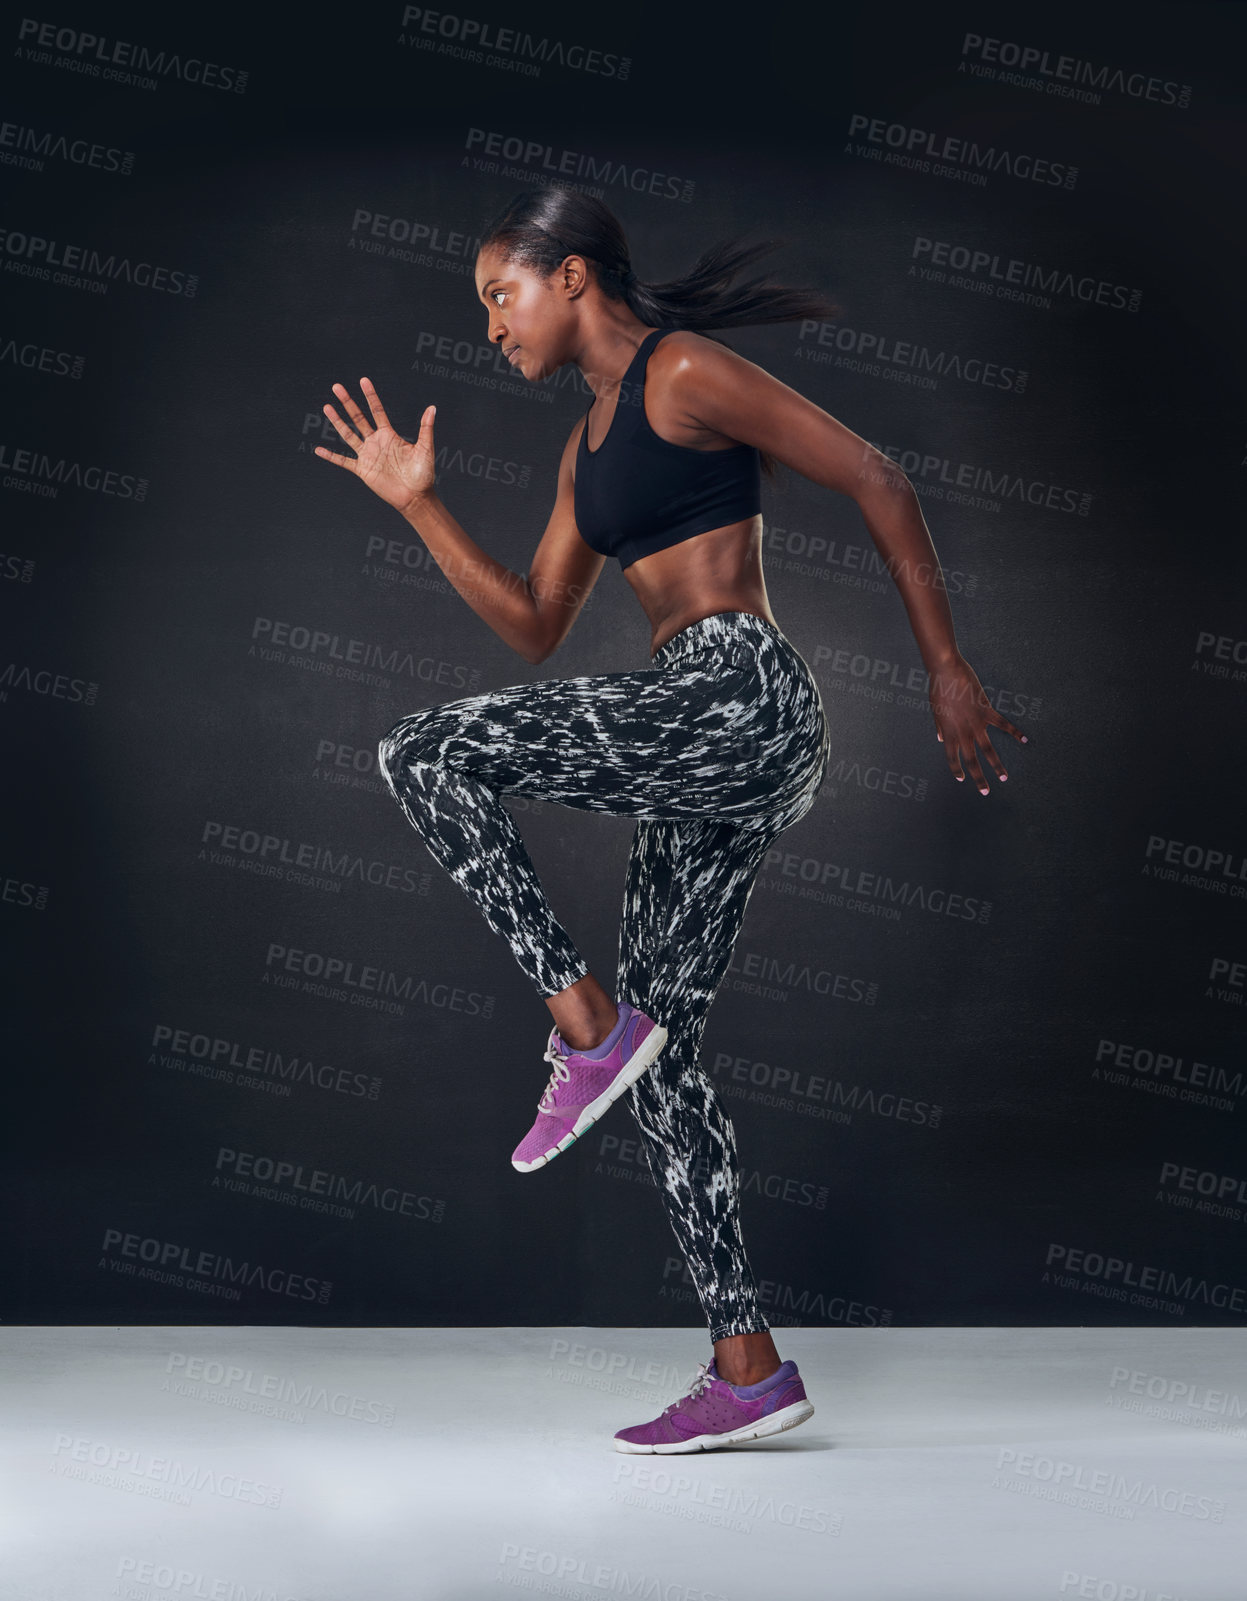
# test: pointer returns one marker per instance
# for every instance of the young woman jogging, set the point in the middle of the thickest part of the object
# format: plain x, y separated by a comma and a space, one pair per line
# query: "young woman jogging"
715, 748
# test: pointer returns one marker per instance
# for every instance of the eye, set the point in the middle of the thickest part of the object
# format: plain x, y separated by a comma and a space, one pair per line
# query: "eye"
494, 293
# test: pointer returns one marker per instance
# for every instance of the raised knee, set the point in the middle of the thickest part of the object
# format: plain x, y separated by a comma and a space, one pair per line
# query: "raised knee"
410, 739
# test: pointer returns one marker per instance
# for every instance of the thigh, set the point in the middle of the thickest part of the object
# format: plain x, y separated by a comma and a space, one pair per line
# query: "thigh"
657, 743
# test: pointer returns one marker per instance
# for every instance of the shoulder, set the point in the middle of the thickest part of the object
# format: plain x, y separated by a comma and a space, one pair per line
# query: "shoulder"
687, 361
696, 381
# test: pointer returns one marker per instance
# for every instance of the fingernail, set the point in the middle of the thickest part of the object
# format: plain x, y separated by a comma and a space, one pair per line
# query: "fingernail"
983, 791
1025, 741
1004, 778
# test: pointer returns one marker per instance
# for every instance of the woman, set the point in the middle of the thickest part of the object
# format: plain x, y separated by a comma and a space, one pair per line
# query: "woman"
715, 748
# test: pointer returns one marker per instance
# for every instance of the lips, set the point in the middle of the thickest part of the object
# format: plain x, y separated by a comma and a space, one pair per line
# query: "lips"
509, 353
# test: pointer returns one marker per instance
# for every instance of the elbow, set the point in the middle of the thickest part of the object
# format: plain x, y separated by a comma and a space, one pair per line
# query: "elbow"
880, 476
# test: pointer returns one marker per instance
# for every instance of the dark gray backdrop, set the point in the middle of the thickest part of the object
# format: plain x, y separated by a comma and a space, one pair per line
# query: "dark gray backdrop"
984, 1057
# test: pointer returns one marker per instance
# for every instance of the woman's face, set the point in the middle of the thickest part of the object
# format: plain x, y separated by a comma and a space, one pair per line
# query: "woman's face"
527, 320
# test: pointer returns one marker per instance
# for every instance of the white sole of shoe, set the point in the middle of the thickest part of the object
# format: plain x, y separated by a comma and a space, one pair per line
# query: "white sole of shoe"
786, 1418
639, 1063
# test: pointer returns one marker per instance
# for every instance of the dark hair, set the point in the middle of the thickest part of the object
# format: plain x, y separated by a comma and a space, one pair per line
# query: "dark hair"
538, 229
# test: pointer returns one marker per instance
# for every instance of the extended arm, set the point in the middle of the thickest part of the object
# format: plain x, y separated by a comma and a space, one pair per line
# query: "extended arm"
724, 392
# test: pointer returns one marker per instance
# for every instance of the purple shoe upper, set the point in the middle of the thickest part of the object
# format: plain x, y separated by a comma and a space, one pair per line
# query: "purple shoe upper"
576, 1080
713, 1407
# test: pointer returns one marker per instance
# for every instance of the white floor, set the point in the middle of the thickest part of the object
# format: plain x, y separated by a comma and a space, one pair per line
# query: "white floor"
267, 1464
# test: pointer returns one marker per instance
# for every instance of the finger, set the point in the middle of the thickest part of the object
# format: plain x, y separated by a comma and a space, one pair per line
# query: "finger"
976, 772
989, 750
374, 403
357, 416
953, 756
344, 429
997, 721
330, 455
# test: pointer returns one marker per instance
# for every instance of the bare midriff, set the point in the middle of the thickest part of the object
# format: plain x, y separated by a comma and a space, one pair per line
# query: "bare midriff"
720, 570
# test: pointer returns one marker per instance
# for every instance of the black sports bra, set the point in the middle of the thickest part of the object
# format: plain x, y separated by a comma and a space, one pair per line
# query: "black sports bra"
638, 493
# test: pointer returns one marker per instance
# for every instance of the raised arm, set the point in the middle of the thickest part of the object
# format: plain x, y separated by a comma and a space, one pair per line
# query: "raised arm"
532, 614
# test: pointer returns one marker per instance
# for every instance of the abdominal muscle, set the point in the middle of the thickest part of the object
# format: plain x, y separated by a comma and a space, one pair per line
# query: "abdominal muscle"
720, 570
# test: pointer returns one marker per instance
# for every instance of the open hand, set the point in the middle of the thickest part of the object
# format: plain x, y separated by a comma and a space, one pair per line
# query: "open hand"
392, 467
963, 714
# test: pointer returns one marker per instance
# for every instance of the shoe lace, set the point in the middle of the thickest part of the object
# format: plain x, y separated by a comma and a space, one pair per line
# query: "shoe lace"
699, 1384
560, 1071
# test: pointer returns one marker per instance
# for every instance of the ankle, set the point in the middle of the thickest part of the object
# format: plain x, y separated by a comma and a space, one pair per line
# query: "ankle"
588, 1034
745, 1376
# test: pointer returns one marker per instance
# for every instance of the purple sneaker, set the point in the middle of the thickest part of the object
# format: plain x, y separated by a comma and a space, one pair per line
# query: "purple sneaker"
713, 1413
582, 1087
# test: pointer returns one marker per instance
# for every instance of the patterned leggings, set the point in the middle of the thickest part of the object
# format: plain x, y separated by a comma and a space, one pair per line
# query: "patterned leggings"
716, 748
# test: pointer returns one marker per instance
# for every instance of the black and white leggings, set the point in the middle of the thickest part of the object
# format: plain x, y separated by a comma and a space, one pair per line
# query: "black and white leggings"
715, 748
